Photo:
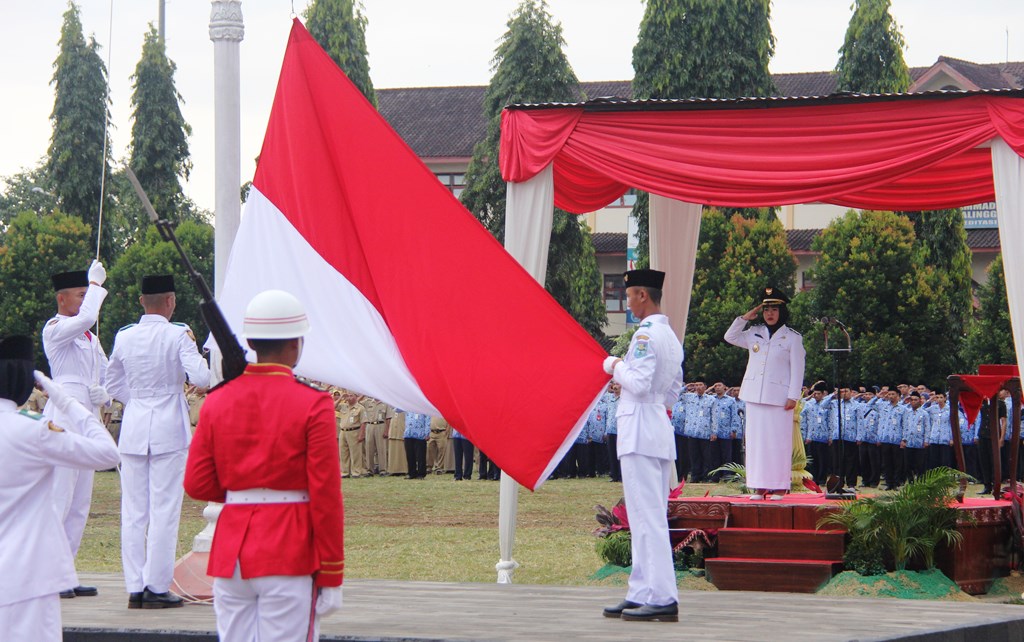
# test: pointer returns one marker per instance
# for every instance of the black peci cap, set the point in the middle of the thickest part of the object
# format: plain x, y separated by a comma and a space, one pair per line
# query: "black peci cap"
159, 284
645, 278
65, 280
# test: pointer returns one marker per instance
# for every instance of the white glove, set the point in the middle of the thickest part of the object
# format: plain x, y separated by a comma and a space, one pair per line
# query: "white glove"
609, 364
328, 601
97, 273
58, 397
98, 395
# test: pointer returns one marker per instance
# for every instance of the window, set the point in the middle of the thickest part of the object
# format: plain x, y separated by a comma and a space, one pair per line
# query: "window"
614, 293
454, 182
626, 200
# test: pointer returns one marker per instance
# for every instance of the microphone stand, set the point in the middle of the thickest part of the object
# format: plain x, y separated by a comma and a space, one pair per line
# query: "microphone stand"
834, 485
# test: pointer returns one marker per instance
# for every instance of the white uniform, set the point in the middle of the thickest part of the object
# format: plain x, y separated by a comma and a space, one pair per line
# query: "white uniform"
35, 560
76, 362
651, 376
775, 374
148, 367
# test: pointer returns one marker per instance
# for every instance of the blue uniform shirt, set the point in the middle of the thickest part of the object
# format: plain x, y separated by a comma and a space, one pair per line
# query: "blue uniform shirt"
867, 421
679, 417
698, 415
917, 425
722, 417
890, 423
417, 426
739, 420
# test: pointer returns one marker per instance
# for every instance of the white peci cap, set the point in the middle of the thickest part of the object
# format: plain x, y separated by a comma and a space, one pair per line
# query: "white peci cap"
275, 314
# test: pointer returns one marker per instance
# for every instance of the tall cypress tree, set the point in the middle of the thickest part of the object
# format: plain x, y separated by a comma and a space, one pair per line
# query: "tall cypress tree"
530, 66
159, 147
871, 58
700, 49
990, 339
340, 28
74, 163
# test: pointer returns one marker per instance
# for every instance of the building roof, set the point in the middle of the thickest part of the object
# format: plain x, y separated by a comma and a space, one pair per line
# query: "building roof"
799, 241
446, 122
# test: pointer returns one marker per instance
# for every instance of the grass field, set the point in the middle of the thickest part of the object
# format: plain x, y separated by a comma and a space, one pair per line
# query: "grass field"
434, 529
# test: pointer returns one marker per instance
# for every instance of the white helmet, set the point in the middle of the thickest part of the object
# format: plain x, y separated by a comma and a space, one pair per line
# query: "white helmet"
275, 314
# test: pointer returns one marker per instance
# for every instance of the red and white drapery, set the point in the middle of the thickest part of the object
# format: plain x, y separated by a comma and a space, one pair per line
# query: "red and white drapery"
909, 152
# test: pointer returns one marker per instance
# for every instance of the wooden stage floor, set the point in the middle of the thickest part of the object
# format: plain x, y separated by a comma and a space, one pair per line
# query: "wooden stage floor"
389, 610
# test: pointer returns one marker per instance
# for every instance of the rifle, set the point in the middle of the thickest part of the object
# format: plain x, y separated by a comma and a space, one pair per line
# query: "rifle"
232, 355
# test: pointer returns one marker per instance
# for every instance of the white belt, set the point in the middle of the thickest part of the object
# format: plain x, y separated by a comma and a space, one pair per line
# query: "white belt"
159, 391
644, 398
267, 496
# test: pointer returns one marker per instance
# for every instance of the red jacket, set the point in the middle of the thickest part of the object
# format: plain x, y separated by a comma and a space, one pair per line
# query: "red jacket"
267, 430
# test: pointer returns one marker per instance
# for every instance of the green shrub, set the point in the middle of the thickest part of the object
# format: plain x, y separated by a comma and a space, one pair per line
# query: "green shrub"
616, 548
863, 558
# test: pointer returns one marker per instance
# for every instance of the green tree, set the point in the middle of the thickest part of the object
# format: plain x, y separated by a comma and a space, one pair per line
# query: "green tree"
340, 28
530, 66
871, 58
75, 160
153, 256
33, 248
737, 257
871, 274
159, 146
990, 339
24, 192
700, 49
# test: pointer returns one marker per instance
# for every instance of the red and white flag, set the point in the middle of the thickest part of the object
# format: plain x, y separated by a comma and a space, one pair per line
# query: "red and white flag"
410, 299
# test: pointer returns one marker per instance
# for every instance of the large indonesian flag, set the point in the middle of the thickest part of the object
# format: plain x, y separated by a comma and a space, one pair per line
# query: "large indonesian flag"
410, 299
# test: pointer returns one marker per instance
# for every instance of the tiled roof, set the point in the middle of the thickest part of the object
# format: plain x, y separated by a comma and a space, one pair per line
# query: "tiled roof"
798, 240
436, 121
448, 121
609, 242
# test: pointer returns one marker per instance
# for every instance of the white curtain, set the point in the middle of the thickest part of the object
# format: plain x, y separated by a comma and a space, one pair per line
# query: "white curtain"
1008, 174
674, 232
529, 210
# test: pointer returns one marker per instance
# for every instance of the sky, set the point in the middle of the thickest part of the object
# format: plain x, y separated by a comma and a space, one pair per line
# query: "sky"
414, 43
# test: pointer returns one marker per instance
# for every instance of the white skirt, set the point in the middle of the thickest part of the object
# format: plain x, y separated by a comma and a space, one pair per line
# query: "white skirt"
769, 455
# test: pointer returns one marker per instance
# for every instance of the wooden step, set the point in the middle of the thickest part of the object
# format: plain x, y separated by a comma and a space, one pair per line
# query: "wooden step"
770, 543
779, 575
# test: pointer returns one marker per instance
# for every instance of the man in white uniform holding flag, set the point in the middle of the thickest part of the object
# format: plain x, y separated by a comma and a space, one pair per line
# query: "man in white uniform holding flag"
79, 365
148, 368
651, 377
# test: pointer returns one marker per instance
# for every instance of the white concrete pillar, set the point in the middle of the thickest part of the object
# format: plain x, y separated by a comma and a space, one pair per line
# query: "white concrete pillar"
226, 32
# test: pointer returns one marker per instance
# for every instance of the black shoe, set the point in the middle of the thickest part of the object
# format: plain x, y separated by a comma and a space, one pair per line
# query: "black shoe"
168, 600
135, 600
68, 594
616, 611
649, 613
984, 491
85, 591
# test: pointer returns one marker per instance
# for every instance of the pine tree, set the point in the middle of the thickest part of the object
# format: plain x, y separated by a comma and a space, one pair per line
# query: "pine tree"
75, 160
990, 339
530, 66
159, 146
700, 49
340, 28
871, 58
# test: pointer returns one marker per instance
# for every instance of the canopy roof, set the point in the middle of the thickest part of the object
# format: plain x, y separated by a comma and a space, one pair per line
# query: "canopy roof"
881, 151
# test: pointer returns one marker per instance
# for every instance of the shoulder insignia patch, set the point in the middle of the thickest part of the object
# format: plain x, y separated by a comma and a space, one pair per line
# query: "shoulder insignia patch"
190, 335
54, 427
52, 321
641, 348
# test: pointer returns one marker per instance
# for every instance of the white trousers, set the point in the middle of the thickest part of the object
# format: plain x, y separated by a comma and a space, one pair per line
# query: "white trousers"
276, 608
645, 483
151, 494
72, 488
33, 620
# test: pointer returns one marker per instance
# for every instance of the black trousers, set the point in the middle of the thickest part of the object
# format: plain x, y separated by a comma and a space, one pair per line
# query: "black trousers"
699, 451
599, 457
870, 464
722, 454
915, 462
488, 470
682, 456
820, 461
416, 457
614, 470
971, 464
892, 465
845, 463
985, 460
940, 455
463, 458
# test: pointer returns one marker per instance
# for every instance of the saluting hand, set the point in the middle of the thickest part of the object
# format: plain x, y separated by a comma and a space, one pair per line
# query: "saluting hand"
752, 314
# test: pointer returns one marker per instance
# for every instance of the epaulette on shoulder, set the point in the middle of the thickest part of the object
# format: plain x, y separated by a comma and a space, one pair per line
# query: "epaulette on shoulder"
310, 384
795, 332
25, 412
180, 324
130, 325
